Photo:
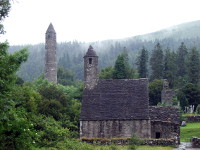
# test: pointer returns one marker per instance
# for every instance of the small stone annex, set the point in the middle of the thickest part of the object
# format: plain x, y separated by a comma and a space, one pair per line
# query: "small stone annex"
119, 108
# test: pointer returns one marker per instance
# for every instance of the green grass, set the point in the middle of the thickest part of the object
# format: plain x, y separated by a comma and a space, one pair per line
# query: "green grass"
117, 147
190, 130
190, 114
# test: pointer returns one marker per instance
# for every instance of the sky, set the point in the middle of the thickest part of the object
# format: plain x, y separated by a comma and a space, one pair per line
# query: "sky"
93, 20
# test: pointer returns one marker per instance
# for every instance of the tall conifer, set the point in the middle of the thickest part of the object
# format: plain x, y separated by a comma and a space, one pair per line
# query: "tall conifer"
142, 61
156, 62
194, 66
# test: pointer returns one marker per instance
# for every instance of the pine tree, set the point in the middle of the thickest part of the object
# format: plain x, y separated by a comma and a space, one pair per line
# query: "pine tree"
122, 69
181, 62
156, 62
142, 61
169, 67
194, 66
182, 55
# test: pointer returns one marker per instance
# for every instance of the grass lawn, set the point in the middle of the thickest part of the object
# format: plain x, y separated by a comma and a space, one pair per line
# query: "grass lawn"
189, 114
190, 130
113, 147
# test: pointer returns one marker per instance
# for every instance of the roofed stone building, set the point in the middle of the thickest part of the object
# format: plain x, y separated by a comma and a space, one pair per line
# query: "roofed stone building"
119, 108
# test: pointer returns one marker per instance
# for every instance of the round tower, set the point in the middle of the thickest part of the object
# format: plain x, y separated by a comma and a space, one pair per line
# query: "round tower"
50, 55
90, 68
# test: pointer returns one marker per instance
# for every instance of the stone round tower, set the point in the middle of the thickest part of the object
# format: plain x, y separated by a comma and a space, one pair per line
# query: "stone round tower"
50, 55
90, 68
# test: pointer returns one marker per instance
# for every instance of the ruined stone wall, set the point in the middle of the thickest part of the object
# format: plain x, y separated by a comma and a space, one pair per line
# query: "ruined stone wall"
167, 130
195, 142
165, 120
115, 129
193, 118
126, 141
167, 96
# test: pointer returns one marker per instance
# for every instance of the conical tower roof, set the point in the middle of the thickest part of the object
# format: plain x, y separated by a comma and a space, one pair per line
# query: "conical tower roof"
91, 52
50, 29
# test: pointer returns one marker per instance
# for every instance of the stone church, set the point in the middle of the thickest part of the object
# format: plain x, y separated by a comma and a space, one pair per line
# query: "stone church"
116, 108
119, 108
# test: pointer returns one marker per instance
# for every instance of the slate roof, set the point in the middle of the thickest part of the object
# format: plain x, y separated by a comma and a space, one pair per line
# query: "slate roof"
164, 113
90, 52
117, 99
50, 29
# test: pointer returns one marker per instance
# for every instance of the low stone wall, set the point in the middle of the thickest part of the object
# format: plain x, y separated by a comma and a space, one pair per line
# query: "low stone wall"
195, 142
100, 141
193, 118
164, 142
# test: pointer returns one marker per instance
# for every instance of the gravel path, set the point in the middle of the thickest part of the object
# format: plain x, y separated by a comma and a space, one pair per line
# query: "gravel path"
186, 146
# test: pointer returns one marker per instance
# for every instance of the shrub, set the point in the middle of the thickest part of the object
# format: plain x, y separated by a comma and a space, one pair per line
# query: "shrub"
134, 142
198, 109
16, 130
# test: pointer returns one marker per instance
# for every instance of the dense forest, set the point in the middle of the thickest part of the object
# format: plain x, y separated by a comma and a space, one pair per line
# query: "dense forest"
70, 54
36, 114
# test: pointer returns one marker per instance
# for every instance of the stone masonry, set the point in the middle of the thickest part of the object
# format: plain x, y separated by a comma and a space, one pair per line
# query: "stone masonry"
195, 142
90, 68
50, 55
167, 94
119, 108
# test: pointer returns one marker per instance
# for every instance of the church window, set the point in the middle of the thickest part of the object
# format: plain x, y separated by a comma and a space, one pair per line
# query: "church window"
90, 60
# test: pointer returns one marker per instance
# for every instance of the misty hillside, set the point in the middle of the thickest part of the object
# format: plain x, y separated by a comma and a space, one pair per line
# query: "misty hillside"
70, 54
181, 31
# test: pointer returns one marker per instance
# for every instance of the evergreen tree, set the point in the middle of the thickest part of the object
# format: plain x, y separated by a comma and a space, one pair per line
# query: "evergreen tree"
169, 67
122, 68
155, 88
192, 94
65, 61
106, 73
65, 76
156, 62
142, 61
181, 63
182, 55
194, 66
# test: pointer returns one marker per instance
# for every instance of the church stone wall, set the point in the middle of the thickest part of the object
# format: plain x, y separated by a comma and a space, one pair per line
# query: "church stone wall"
115, 129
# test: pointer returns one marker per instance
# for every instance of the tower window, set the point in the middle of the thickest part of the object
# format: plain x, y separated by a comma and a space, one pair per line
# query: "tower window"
157, 135
90, 60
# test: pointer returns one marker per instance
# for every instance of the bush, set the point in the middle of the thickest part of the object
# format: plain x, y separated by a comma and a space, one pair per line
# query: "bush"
49, 131
134, 142
198, 109
15, 129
